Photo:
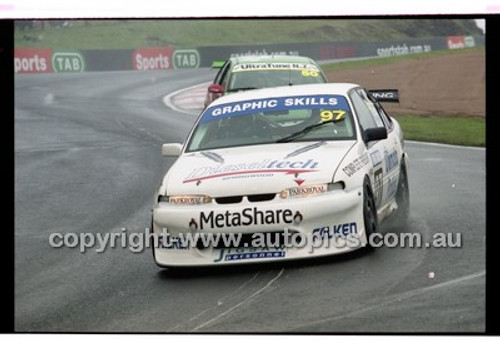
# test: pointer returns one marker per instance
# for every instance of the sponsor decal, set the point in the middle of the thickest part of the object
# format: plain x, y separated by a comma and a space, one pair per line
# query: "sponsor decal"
376, 158
274, 66
378, 188
398, 50
469, 41
297, 218
189, 199
299, 181
267, 166
247, 175
387, 95
392, 186
247, 217
152, 58
68, 62
343, 230
264, 52
268, 105
232, 254
305, 191
193, 226
172, 243
455, 42
391, 160
186, 59
32, 60
356, 165
333, 51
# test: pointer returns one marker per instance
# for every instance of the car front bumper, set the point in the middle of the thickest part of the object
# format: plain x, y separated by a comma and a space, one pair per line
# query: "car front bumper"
326, 224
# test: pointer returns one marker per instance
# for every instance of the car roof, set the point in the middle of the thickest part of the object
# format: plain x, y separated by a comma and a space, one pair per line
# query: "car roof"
271, 59
286, 91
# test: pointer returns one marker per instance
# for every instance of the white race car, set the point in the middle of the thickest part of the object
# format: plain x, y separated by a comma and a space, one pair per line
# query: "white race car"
281, 173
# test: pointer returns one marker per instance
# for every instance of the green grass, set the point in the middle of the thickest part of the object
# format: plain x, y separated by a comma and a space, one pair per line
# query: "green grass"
369, 62
470, 131
123, 34
459, 130
126, 34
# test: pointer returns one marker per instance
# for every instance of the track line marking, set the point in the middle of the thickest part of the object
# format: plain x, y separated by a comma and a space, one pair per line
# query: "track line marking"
167, 100
444, 145
218, 301
400, 297
243, 302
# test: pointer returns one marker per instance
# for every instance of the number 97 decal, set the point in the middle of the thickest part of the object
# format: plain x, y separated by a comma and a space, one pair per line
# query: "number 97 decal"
336, 115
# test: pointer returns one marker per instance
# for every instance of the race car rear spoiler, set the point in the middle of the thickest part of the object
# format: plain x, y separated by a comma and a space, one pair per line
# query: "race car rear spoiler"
387, 95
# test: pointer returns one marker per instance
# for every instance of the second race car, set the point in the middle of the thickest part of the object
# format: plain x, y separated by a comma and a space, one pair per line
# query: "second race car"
252, 72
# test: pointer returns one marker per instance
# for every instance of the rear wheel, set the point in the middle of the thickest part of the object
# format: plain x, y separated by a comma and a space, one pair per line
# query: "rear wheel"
369, 211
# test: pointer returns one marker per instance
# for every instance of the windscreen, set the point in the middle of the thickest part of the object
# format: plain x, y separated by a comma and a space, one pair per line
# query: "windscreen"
260, 75
273, 120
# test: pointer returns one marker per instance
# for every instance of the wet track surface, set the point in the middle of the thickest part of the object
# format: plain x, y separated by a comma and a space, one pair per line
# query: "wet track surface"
87, 159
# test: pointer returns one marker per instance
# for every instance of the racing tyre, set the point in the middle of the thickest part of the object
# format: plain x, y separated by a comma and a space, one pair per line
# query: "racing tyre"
403, 198
369, 211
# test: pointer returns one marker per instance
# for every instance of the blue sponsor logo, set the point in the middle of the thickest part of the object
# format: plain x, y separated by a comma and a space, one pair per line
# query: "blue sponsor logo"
391, 160
233, 254
172, 243
254, 255
336, 231
392, 186
376, 158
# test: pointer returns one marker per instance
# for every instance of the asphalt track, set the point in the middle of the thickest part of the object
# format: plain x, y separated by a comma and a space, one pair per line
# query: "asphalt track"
87, 159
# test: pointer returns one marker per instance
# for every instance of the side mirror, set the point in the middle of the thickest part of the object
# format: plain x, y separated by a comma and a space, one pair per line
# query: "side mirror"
375, 134
171, 149
216, 88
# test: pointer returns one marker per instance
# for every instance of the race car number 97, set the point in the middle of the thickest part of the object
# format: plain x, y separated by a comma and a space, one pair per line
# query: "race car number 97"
327, 115
311, 73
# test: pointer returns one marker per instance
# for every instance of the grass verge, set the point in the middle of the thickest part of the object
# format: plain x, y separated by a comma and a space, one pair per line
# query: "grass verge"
459, 130
377, 61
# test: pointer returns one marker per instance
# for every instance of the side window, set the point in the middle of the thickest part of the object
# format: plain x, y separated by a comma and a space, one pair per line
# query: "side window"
222, 73
372, 107
385, 117
364, 114
225, 74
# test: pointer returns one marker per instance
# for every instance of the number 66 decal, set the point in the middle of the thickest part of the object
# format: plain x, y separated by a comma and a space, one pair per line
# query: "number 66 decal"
310, 73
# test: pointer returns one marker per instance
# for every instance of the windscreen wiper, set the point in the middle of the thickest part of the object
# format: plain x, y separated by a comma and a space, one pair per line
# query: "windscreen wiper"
242, 89
304, 131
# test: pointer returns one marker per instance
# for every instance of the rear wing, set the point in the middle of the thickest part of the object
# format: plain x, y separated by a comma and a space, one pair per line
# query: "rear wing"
387, 95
